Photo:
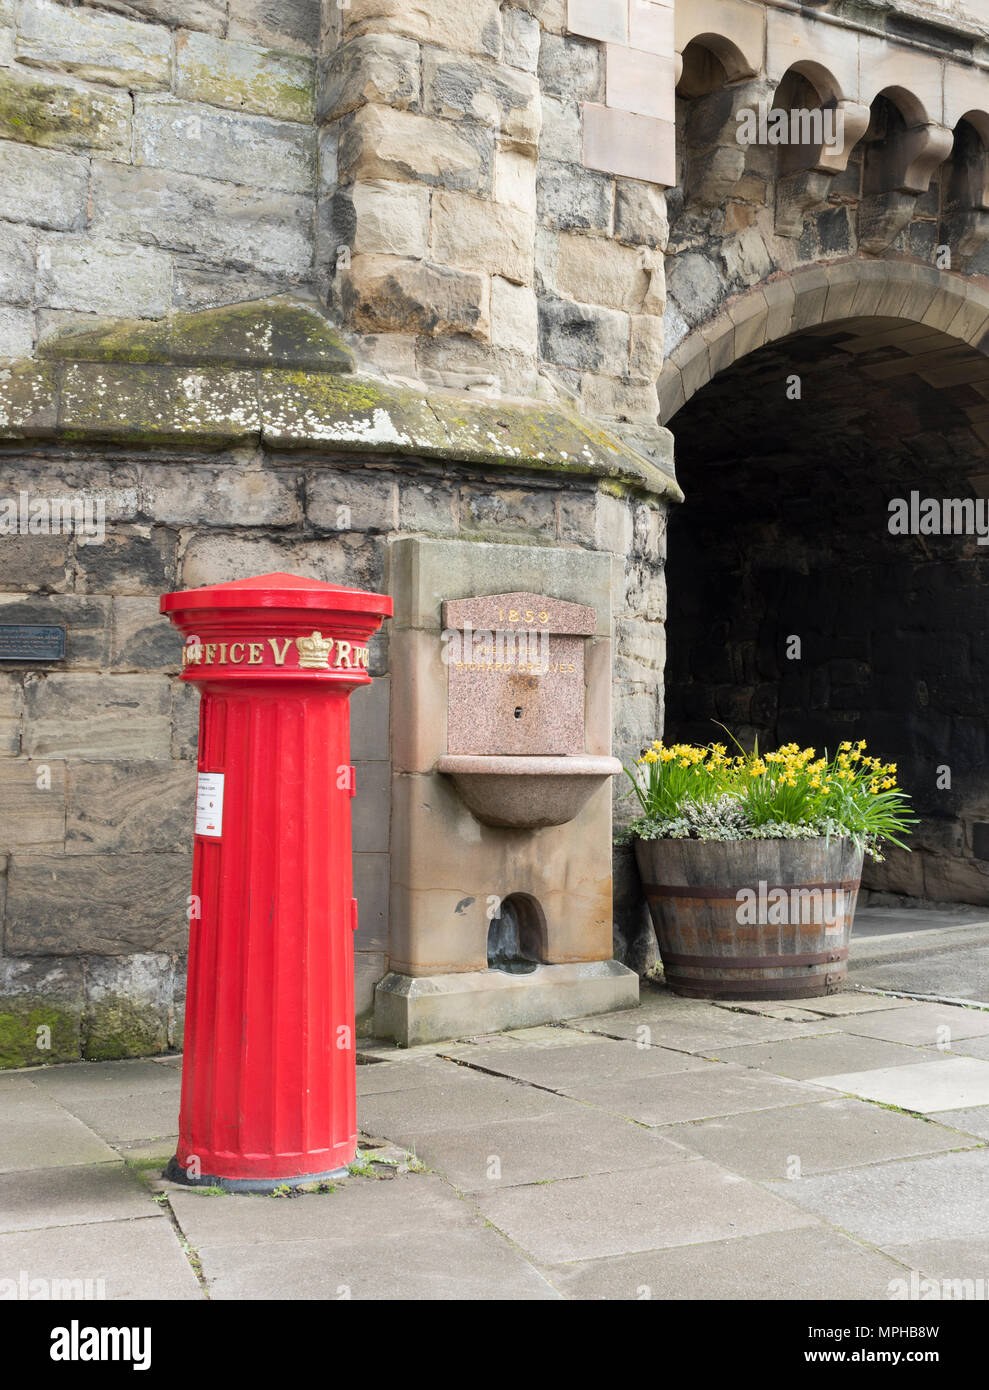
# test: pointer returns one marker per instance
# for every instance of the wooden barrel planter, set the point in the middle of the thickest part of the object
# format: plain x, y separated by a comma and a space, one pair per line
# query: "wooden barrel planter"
752, 919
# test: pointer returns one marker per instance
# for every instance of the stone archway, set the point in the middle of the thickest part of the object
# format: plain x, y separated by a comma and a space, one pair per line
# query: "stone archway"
785, 533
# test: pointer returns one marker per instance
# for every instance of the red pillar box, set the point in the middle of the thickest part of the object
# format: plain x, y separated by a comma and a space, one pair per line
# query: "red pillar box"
269, 1079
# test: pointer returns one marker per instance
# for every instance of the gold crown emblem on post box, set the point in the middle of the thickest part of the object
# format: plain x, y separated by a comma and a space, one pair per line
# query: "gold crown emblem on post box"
314, 652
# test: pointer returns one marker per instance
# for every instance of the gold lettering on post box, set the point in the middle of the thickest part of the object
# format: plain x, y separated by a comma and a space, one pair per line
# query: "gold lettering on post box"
236, 660
343, 654
279, 657
255, 652
210, 650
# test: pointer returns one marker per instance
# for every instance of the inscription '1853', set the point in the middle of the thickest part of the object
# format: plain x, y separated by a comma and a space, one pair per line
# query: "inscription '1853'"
312, 653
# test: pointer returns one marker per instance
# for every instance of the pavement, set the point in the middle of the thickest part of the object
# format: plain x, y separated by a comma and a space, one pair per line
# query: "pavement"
681, 1150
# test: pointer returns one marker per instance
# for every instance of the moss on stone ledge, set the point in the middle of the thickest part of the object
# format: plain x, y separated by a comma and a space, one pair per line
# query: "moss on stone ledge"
276, 371
261, 333
114, 1027
33, 1031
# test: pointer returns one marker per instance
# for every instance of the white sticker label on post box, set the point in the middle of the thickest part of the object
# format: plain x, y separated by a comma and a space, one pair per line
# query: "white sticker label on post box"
209, 804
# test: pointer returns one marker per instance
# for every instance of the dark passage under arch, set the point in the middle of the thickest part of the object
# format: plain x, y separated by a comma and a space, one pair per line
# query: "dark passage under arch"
785, 533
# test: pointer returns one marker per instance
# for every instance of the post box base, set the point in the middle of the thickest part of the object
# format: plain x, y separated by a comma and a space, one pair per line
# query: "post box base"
174, 1172
432, 1008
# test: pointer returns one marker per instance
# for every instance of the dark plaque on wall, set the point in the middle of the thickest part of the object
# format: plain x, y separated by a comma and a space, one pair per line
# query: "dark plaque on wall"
31, 642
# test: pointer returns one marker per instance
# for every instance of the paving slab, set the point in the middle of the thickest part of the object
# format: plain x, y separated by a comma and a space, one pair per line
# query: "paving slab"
596, 1058
849, 1002
127, 1119
970, 1047
387, 1076
468, 1098
71, 1197
470, 1265
800, 1140
647, 1209
812, 1263
923, 1024
974, 1121
701, 1034
358, 1207
105, 1081
38, 1133
546, 1147
960, 1266
720, 1089
943, 1197
942, 1083
133, 1259
801, 1058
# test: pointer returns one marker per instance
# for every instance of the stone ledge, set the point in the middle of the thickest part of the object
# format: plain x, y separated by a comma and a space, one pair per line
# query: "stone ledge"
155, 404
437, 1007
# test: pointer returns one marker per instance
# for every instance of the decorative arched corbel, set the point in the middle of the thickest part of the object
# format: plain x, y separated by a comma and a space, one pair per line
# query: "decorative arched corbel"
965, 200
899, 162
805, 190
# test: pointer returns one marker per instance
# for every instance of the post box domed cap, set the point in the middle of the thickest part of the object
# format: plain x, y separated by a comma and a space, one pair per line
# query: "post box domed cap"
279, 591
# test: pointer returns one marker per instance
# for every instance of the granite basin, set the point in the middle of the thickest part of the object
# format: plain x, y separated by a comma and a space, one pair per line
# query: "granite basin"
527, 793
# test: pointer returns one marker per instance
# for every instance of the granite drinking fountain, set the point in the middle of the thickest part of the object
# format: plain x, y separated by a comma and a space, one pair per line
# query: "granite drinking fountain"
501, 892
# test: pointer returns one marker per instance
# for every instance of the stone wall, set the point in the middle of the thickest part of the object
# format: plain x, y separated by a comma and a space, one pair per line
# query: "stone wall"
159, 158
98, 753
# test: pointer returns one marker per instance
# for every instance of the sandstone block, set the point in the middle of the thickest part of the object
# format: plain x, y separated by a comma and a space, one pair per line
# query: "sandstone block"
43, 187
379, 143
351, 559
515, 180
17, 265
104, 277
285, 24
610, 398
195, 139
129, 808
382, 217
221, 221
16, 333
641, 82
597, 270
386, 294
582, 336
130, 560
520, 39
474, 28
110, 905
352, 501
187, 496
646, 357
210, 16
478, 235
83, 716
32, 805
560, 138
11, 709
514, 316
37, 110
139, 639
572, 198
637, 147
379, 68
97, 46
244, 76
456, 87
571, 69
604, 20
640, 214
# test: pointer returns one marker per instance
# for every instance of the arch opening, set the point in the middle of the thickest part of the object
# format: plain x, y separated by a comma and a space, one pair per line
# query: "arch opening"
792, 460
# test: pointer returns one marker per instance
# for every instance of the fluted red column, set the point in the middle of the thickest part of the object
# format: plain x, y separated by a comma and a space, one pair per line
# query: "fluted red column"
268, 1086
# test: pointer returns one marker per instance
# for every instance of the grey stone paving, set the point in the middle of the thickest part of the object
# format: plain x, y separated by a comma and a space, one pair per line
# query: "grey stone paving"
683, 1150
